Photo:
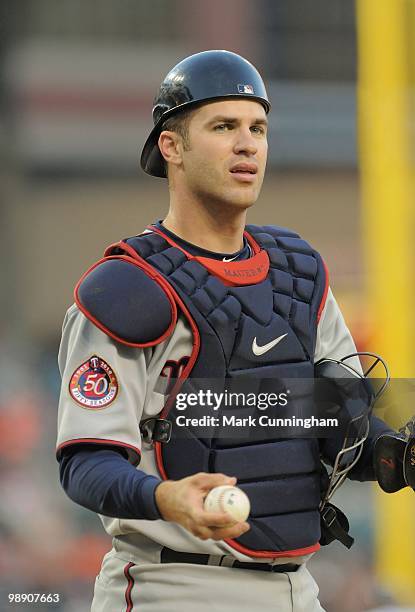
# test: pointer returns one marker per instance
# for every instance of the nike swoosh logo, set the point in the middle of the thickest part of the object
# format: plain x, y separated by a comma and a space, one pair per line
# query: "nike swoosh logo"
230, 258
260, 350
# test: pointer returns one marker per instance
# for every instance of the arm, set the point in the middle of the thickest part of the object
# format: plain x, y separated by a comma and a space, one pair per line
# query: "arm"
335, 341
103, 480
94, 442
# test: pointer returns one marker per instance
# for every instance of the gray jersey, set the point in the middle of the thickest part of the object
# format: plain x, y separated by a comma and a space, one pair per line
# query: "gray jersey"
128, 391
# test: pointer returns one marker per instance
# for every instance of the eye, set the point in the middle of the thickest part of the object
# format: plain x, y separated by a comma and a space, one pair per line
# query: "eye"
222, 127
258, 129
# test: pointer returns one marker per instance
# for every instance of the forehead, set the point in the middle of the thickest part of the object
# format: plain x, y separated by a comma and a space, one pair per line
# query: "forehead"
236, 108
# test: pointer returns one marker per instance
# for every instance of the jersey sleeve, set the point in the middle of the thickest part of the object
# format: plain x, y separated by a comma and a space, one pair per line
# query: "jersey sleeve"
334, 340
103, 388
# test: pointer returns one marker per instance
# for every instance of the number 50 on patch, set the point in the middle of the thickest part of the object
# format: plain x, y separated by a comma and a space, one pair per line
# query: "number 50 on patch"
93, 385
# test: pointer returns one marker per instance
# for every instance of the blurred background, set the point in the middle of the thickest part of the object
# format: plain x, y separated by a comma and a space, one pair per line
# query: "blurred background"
77, 81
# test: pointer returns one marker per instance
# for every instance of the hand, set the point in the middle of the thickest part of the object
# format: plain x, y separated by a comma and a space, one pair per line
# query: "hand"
392, 462
181, 501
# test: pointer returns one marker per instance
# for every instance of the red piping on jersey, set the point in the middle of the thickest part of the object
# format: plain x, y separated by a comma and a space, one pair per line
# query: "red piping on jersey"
158, 446
232, 273
326, 290
152, 274
130, 584
99, 441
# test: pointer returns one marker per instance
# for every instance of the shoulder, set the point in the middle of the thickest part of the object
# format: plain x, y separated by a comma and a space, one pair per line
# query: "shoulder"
71, 315
79, 333
289, 252
331, 315
334, 339
284, 237
128, 300
297, 253
274, 231
74, 324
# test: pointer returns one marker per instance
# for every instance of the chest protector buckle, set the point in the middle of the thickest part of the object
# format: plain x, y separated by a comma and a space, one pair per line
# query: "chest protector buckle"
156, 430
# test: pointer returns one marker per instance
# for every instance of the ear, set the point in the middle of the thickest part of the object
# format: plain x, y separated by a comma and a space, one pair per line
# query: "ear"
169, 145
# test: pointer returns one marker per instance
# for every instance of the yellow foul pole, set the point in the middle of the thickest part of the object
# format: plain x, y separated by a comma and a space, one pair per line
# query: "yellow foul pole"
387, 202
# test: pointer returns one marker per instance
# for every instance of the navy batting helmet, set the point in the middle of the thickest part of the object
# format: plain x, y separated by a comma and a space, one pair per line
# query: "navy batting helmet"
200, 78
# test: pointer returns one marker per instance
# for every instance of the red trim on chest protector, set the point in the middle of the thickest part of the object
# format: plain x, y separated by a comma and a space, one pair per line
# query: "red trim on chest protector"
192, 359
326, 290
232, 273
149, 270
272, 554
158, 446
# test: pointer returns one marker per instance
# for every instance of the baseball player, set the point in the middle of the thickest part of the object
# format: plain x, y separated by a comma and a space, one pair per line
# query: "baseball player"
201, 296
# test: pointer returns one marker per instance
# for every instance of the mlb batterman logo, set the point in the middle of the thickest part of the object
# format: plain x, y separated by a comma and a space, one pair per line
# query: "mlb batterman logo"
93, 385
245, 88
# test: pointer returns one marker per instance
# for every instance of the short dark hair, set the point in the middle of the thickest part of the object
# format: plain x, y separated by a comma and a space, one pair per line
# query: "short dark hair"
179, 123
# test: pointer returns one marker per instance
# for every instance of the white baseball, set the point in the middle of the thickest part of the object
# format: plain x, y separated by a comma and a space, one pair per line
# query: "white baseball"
228, 499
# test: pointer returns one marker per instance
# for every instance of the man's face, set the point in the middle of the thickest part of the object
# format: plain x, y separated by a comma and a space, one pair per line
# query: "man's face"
227, 153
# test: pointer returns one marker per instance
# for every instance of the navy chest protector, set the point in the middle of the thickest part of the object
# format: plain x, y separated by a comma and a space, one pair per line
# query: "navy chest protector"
233, 309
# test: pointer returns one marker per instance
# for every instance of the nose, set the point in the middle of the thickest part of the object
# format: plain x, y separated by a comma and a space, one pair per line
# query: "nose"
245, 142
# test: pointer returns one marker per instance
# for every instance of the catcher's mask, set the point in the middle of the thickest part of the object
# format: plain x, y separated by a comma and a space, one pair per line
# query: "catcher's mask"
344, 388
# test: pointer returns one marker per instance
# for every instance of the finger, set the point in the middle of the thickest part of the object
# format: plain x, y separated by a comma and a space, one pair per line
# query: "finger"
209, 481
214, 519
229, 532
204, 533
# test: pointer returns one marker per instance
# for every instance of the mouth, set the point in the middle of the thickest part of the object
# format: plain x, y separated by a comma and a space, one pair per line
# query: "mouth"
244, 172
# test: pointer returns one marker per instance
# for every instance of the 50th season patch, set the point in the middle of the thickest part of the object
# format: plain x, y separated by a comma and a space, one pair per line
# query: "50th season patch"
93, 384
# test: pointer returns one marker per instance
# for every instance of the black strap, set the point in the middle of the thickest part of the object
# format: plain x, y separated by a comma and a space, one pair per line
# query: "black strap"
173, 556
334, 526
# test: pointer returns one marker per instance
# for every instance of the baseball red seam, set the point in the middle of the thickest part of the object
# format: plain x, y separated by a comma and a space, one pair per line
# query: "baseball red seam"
222, 500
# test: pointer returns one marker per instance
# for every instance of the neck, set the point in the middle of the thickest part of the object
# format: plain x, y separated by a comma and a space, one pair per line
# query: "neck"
213, 228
